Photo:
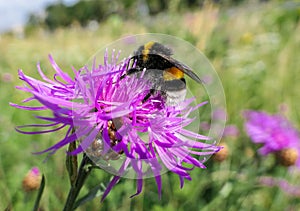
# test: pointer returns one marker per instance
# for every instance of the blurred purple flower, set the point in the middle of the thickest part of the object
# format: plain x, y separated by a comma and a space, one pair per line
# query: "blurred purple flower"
219, 113
275, 132
231, 131
281, 183
7, 77
98, 102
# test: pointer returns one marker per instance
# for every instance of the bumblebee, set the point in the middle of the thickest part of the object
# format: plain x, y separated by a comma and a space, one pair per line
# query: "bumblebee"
162, 70
155, 62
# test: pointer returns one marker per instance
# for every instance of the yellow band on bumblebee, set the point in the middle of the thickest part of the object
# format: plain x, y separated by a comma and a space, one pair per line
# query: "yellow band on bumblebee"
172, 73
146, 50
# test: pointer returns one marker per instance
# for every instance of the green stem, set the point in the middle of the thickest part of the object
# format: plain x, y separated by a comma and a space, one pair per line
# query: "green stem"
72, 164
40, 193
83, 173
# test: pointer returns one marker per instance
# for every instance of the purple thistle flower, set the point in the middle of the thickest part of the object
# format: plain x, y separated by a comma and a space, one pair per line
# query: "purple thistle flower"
108, 115
273, 131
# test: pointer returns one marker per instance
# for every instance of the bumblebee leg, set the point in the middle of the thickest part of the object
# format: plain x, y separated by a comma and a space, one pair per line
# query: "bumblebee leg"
130, 71
151, 92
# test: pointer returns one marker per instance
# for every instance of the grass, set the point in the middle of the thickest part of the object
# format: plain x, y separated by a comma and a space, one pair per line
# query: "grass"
255, 50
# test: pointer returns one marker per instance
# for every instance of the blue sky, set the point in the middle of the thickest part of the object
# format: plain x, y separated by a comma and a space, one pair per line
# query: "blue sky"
14, 13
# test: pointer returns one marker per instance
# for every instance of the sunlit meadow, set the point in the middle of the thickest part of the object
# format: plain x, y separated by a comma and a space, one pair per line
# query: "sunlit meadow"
255, 50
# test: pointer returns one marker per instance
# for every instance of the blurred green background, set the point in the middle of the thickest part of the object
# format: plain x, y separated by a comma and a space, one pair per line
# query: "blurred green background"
253, 45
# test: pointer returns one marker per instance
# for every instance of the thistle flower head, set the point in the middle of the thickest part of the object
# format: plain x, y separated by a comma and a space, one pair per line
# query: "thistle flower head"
274, 132
106, 113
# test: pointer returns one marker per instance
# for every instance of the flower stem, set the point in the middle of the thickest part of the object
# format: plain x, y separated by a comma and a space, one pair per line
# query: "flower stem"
83, 173
40, 193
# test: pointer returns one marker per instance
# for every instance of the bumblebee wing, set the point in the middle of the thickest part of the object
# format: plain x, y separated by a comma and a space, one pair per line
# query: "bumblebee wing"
184, 68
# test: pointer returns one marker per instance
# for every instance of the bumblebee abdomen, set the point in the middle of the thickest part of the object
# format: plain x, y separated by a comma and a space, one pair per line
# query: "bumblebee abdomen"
174, 98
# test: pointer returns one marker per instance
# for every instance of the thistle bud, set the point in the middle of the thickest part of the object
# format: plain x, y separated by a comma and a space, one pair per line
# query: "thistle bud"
32, 180
222, 154
287, 157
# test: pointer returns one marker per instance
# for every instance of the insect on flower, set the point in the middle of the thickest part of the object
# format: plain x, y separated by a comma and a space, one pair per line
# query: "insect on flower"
164, 72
